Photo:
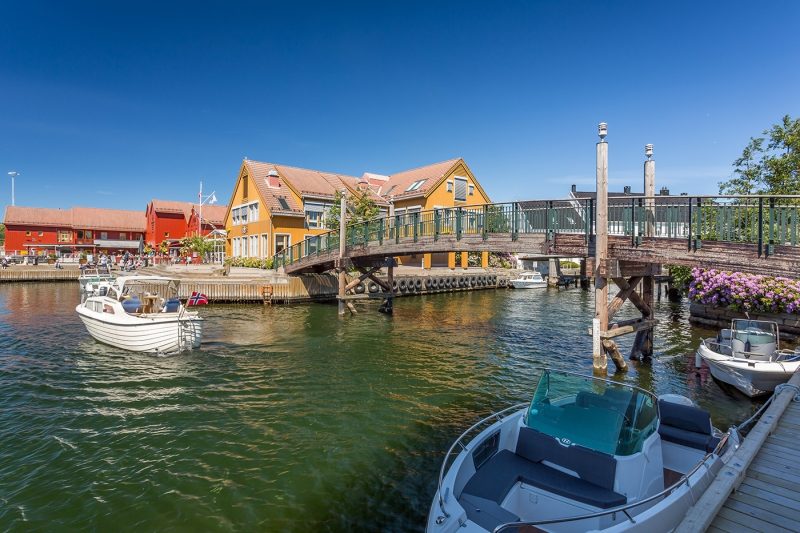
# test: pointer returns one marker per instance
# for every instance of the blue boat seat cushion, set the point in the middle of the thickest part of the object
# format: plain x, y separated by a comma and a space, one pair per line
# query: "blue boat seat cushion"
686, 425
499, 474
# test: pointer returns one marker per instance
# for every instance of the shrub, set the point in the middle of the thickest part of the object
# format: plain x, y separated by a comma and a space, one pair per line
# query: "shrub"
745, 292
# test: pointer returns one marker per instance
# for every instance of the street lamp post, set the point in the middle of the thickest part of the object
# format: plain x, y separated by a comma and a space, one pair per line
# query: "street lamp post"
13, 175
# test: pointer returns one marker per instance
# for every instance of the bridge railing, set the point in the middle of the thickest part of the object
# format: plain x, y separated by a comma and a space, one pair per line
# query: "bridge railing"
764, 221
512, 218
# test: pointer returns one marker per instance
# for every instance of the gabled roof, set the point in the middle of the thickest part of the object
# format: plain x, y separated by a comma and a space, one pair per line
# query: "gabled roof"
38, 216
114, 219
398, 183
77, 217
171, 206
306, 183
272, 194
212, 214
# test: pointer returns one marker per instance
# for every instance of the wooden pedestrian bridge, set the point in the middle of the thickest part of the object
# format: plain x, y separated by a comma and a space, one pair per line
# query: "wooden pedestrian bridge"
754, 234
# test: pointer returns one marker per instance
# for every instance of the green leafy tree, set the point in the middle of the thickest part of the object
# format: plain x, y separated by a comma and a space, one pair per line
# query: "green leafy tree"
2, 234
359, 208
196, 244
163, 247
770, 164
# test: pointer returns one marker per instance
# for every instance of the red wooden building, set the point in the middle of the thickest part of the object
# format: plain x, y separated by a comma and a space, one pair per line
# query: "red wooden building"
213, 219
166, 221
39, 230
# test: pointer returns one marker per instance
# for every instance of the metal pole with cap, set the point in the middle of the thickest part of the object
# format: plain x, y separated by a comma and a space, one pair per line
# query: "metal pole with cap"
600, 322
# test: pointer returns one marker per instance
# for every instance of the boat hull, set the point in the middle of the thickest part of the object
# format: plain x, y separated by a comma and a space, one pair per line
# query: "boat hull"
753, 378
157, 334
524, 284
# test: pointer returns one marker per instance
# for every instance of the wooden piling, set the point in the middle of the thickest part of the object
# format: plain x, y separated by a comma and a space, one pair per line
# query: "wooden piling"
342, 269
600, 324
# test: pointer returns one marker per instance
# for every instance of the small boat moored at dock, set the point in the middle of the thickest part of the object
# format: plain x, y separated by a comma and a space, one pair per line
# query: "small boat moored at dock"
587, 454
90, 278
141, 314
529, 280
748, 357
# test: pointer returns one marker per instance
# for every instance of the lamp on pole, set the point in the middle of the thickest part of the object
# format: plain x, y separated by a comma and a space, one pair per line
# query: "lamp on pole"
210, 199
13, 175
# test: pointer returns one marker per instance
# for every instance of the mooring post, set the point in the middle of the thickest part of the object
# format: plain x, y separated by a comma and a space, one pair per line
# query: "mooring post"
600, 322
342, 251
650, 191
650, 231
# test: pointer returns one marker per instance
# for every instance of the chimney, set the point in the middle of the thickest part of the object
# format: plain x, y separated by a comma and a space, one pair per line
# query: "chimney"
574, 188
627, 189
664, 191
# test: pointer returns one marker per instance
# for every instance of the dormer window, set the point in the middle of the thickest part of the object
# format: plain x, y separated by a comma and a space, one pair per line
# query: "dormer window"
416, 185
284, 204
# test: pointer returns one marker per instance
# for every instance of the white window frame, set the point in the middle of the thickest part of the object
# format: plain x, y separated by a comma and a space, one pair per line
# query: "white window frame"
244, 213
470, 189
275, 241
449, 185
264, 244
253, 246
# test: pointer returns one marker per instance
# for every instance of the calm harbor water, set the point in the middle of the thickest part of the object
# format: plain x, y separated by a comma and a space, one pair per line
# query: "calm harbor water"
288, 418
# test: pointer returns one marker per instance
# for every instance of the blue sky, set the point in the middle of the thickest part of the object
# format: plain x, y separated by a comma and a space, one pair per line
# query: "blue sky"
114, 103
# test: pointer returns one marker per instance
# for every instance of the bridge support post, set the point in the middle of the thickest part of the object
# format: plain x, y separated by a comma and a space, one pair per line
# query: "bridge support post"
341, 267
600, 322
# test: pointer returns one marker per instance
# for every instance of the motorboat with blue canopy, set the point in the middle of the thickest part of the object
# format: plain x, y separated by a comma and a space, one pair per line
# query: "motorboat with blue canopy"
586, 454
749, 357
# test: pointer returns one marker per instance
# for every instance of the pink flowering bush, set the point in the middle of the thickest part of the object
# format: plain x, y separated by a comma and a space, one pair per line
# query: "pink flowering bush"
745, 292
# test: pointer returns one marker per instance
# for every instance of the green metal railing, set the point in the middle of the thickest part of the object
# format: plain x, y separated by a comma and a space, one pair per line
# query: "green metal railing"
765, 221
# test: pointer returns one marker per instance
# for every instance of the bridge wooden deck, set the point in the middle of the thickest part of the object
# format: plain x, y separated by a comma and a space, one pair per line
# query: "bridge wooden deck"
759, 488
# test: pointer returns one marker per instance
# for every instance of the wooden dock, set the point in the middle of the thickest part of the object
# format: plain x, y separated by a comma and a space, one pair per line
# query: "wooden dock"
759, 488
33, 273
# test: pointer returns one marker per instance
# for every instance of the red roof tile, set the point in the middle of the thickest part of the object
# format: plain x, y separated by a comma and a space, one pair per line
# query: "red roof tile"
398, 183
213, 214
171, 206
77, 217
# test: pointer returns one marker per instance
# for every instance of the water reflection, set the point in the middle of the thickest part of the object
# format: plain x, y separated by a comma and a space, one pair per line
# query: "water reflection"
288, 418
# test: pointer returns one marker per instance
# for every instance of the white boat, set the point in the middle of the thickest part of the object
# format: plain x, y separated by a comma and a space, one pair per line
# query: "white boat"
529, 280
587, 454
748, 357
92, 277
141, 314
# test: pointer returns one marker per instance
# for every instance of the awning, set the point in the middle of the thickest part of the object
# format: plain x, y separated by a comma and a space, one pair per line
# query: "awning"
109, 243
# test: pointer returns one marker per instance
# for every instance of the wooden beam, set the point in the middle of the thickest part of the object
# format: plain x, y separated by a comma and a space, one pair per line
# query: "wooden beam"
610, 347
626, 288
364, 275
633, 296
631, 328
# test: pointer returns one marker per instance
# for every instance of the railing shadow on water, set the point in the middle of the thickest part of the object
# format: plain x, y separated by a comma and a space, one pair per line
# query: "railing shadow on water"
762, 220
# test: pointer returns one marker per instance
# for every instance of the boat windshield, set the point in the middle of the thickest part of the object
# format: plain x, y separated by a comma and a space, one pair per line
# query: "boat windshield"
756, 336
600, 415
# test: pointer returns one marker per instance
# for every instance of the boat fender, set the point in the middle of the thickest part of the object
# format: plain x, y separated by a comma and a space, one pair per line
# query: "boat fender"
698, 361
428, 283
472, 281
447, 283
418, 284
461, 282
360, 288
373, 287
454, 282
403, 285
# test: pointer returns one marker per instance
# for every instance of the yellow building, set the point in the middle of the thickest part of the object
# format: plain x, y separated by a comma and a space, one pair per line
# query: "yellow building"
274, 206
437, 186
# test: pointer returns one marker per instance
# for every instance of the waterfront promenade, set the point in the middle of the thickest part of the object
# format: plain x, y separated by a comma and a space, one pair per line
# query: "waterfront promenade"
759, 488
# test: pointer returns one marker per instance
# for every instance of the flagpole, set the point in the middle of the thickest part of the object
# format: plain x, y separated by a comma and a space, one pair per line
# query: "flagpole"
200, 220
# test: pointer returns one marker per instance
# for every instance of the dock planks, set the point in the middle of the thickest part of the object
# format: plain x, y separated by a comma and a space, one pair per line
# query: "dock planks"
759, 488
